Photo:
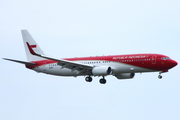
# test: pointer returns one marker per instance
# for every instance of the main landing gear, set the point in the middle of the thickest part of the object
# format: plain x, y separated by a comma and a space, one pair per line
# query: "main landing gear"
89, 79
102, 81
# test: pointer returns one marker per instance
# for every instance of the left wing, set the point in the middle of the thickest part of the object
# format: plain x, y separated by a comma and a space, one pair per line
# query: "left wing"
65, 63
18, 61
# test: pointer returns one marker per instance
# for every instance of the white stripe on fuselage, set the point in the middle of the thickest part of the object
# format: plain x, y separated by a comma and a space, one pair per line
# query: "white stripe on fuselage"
117, 68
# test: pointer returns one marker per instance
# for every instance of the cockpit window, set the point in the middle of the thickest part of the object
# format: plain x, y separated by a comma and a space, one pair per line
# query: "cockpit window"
165, 58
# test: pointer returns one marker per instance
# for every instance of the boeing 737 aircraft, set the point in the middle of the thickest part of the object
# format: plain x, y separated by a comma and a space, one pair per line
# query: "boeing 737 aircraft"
120, 66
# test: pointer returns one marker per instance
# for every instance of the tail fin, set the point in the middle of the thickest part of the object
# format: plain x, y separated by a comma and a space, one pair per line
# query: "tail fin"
28, 38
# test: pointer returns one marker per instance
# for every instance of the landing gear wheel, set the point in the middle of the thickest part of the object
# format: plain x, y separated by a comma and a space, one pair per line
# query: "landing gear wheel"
102, 81
88, 79
160, 76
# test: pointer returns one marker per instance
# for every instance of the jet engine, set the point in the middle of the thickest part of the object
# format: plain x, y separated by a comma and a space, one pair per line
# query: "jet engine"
125, 75
101, 70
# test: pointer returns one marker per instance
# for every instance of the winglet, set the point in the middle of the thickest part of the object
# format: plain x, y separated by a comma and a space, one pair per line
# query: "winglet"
30, 49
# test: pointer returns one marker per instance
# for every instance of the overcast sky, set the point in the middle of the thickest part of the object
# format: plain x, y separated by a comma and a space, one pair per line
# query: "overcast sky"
75, 28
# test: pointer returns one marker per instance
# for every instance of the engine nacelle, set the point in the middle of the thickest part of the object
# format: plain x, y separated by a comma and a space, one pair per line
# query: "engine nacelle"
125, 75
101, 70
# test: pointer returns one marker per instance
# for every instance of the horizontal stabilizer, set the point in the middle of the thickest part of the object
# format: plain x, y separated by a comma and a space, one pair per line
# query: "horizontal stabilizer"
22, 62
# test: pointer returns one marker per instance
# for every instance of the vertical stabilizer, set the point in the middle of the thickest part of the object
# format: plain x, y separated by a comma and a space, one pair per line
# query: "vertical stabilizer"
28, 38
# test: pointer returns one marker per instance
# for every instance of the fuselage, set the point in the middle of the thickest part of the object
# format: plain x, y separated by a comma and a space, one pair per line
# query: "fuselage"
131, 63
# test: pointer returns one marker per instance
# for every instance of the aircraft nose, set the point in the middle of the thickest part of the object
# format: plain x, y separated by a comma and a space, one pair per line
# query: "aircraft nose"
173, 63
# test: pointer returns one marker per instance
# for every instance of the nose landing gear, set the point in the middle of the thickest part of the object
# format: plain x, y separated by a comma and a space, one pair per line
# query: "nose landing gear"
160, 76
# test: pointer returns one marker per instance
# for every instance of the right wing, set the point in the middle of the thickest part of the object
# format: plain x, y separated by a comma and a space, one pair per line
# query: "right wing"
65, 63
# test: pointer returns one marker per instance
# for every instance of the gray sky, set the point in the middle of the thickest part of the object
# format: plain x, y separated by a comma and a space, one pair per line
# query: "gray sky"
89, 28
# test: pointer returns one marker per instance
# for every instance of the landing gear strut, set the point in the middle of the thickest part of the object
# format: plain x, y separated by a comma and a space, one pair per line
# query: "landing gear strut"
88, 79
102, 81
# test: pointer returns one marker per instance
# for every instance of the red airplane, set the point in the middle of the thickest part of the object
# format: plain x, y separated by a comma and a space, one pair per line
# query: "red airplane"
120, 66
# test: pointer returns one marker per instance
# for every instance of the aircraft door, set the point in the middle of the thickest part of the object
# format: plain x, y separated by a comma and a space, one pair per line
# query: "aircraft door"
154, 59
